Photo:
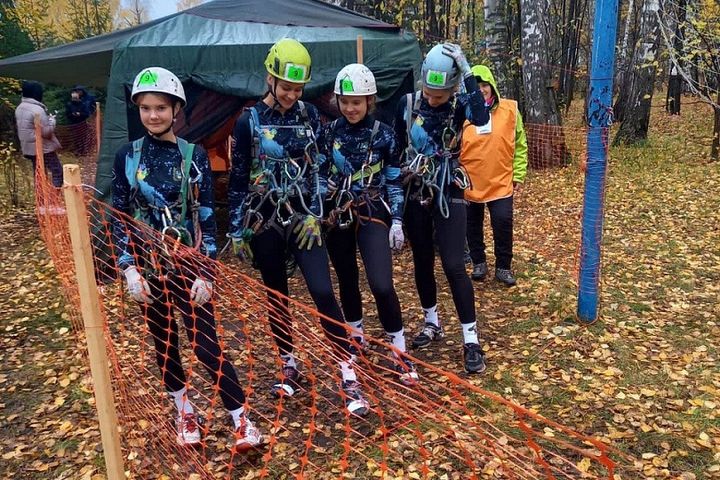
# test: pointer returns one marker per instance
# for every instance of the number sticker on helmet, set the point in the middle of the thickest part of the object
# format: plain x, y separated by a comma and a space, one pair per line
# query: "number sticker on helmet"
436, 78
148, 78
347, 85
295, 72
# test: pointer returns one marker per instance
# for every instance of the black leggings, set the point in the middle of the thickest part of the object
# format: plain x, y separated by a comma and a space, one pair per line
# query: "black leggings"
449, 233
371, 235
174, 291
270, 249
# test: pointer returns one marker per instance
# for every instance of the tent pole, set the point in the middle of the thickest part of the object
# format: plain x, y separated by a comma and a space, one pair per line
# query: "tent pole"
359, 45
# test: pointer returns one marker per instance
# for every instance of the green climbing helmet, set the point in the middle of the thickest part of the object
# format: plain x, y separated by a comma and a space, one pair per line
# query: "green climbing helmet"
158, 80
289, 60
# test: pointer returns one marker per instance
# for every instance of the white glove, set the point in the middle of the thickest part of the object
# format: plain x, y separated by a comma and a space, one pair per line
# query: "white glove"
137, 286
201, 291
397, 237
455, 52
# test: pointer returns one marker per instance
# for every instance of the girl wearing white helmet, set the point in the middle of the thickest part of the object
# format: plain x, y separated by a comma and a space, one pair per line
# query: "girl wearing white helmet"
365, 207
428, 125
276, 206
155, 178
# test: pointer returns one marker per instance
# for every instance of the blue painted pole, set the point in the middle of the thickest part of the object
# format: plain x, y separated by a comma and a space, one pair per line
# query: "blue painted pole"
600, 117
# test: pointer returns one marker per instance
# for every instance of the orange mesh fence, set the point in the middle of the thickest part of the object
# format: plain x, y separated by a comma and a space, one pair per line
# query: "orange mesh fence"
443, 425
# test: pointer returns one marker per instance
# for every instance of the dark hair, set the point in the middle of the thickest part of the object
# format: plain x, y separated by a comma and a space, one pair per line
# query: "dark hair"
32, 89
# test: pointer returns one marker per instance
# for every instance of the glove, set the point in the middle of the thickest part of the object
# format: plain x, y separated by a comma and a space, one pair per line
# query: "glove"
308, 233
397, 237
455, 52
137, 286
241, 245
201, 291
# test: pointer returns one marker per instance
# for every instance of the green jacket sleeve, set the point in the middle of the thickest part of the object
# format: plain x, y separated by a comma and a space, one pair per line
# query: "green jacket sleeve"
521, 151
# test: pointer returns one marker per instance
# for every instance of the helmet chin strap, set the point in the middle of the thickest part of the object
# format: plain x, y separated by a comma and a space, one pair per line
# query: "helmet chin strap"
273, 88
159, 135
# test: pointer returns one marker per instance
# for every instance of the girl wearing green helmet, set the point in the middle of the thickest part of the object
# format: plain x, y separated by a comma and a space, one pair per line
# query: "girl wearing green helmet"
276, 206
152, 181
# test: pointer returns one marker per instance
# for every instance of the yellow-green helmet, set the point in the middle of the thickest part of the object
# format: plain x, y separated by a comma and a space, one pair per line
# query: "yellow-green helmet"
289, 60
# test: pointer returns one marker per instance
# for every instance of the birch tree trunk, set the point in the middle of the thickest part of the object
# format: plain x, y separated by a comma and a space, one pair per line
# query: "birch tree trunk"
496, 41
546, 144
636, 119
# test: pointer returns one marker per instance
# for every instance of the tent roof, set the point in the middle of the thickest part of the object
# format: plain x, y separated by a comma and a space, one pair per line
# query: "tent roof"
88, 61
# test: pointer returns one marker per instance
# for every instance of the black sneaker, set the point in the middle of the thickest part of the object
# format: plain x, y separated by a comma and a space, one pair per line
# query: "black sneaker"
355, 401
474, 358
479, 272
289, 383
505, 276
406, 371
358, 346
429, 333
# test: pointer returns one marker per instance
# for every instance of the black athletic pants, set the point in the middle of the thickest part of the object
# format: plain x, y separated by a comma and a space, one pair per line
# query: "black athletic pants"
270, 249
501, 220
370, 234
422, 224
174, 291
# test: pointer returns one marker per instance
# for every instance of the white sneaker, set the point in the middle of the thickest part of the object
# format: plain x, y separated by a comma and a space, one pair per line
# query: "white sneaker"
247, 436
188, 430
354, 400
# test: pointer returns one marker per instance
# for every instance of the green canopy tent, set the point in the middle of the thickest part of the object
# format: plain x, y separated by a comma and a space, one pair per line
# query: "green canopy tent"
217, 49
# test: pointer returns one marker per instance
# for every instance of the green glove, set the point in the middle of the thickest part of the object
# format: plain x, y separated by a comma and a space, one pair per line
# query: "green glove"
308, 233
241, 245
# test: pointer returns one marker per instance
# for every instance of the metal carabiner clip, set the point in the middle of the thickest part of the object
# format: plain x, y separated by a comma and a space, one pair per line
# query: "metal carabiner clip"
284, 221
363, 183
461, 178
449, 138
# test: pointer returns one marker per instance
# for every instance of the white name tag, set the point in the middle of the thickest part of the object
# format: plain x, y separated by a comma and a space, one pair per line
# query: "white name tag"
485, 129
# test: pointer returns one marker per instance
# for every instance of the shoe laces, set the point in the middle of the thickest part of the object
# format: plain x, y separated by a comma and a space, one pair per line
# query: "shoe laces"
352, 389
430, 330
289, 372
189, 422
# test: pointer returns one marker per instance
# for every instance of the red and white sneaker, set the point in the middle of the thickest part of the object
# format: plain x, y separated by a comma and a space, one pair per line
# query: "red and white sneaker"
247, 436
188, 430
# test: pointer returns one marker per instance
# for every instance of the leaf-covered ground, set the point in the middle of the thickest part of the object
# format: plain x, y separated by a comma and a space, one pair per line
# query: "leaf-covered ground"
644, 378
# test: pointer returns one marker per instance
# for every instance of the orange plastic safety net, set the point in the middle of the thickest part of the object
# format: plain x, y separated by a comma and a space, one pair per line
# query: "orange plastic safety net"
443, 425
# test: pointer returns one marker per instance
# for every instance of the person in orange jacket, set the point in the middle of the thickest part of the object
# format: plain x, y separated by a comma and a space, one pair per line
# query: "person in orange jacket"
495, 157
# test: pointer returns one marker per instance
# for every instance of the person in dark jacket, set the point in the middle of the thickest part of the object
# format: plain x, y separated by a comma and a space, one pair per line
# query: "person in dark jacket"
77, 111
365, 208
428, 125
80, 106
164, 182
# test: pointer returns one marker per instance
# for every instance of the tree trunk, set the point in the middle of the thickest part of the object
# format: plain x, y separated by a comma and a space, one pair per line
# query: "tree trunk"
636, 120
715, 152
623, 78
546, 143
496, 41
675, 81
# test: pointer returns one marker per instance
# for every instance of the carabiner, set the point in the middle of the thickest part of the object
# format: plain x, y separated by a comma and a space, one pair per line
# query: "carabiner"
291, 213
461, 178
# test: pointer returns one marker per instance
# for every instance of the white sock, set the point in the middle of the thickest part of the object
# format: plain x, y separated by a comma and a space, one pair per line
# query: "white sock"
289, 360
470, 332
398, 339
357, 329
182, 403
431, 315
348, 373
237, 415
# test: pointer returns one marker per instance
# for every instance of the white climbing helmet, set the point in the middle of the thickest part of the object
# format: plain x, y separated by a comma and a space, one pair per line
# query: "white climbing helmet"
355, 80
158, 80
